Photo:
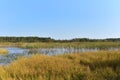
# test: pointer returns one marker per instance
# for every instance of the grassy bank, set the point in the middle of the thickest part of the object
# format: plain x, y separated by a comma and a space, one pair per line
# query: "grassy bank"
3, 51
100, 45
103, 65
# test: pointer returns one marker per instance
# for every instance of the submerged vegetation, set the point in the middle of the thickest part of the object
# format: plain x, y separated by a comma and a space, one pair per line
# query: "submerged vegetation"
103, 65
3, 51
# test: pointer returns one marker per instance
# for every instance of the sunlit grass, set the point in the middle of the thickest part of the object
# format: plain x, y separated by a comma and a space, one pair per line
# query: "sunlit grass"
3, 51
42, 67
100, 45
103, 65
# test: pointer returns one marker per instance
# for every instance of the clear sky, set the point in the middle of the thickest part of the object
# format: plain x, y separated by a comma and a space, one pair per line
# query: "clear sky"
60, 19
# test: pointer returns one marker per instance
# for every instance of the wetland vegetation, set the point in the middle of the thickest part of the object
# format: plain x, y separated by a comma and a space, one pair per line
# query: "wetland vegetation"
37, 42
102, 65
3, 51
49, 59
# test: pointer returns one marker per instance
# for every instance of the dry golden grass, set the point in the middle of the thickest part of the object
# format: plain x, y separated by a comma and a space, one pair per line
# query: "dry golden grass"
3, 51
44, 67
103, 65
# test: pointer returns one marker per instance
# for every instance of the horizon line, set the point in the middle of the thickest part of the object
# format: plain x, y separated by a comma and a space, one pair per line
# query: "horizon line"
66, 38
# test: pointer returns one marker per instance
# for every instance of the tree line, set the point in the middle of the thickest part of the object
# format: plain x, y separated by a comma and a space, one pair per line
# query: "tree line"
48, 39
25, 39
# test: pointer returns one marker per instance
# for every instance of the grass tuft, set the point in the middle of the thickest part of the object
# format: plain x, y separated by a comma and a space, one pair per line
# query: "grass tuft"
103, 65
3, 51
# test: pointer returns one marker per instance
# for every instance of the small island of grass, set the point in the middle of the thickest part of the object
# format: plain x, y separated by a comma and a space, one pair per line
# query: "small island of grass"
3, 51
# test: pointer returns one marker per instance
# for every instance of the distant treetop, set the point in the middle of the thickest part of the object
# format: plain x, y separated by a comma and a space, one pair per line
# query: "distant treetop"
49, 39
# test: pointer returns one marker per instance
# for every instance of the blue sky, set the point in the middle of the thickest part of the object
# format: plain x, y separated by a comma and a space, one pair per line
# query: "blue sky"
60, 19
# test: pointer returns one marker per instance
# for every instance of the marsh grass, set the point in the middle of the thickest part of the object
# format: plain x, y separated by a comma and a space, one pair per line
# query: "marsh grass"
100, 45
3, 51
103, 65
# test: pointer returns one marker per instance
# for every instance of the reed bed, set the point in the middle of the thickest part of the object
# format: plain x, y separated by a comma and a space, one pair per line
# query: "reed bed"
100, 45
102, 65
3, 51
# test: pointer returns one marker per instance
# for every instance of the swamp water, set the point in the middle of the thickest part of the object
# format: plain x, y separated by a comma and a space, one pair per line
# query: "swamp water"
15, 52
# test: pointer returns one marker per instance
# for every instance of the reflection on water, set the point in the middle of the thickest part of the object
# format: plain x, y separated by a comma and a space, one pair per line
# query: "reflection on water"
15, 52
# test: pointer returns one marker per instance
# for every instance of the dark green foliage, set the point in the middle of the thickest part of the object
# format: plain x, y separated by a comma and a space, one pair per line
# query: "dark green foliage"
48, 39
25, 39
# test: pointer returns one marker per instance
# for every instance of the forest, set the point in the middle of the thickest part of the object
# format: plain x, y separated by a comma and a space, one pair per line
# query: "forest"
49, 39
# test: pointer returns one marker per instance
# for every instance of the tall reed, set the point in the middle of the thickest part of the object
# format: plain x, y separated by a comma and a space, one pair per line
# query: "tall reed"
103, 65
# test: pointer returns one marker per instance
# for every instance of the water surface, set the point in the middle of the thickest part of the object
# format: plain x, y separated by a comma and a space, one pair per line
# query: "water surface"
15, 52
